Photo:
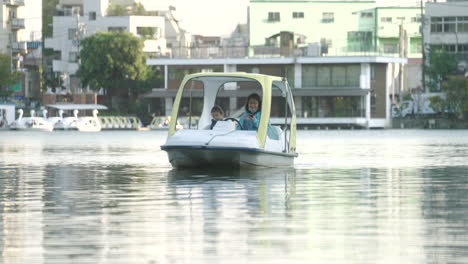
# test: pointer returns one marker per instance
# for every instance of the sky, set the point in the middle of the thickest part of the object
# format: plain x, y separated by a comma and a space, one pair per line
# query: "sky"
220, 17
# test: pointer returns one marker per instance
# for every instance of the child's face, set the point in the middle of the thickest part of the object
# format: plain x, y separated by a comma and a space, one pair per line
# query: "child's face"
217, 116
253, 105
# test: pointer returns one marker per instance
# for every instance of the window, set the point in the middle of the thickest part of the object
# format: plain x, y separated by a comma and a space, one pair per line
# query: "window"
298, 14
344, 75
367, 15
73, 57
436, 28
117, 29
148, 32
416, 20
462, 24
415, 45
338, 76
273, 17
386, 19
359, 41
309, 76
72, 33
390, 48
92, 15
323, 76
328, 17
463, 48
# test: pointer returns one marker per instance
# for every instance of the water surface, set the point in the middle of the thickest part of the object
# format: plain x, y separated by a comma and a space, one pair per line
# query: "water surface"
363, 196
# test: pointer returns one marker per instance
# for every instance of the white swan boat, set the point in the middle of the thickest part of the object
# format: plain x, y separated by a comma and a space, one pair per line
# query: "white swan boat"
32, 123
225, 145
89, 123
83, 123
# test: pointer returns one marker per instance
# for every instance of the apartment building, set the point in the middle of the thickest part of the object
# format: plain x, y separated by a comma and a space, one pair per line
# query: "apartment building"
77, 19
446, 27
20, 37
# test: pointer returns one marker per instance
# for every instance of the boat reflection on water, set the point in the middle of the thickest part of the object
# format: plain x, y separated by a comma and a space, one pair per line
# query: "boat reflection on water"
258, 189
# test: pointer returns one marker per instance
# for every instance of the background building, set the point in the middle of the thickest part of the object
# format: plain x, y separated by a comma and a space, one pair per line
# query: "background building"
446, 28
20, 37
77, 19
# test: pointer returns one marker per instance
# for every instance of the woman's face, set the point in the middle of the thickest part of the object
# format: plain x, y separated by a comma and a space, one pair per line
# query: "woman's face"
253, 105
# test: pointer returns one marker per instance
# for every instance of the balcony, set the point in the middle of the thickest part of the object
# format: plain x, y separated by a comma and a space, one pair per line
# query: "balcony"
14, 2
17, 23
19, 47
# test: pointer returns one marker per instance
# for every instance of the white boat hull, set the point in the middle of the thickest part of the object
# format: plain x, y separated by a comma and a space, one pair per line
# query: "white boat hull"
202, 157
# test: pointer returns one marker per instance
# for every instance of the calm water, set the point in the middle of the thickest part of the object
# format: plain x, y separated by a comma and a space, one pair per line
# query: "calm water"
378, 196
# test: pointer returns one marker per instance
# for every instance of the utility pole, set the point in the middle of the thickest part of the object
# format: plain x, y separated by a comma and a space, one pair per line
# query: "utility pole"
423, 70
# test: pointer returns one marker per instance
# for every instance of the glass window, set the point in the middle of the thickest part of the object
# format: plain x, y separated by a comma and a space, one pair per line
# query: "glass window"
328, 17
309, 76
273, 16
71, 33
92, 15
298, 14
386, 19
462, 27
436, 28
449, 27
353, 75
117, 29
323, 76
338, 76
367, 15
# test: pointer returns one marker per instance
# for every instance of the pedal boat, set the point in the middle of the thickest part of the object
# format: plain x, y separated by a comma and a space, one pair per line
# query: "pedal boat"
225, 145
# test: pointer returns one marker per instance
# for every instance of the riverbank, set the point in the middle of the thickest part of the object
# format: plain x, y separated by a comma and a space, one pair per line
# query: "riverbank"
429, 123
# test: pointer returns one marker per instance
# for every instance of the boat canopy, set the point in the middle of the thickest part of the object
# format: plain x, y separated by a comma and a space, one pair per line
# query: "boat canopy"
67, 107
212, 83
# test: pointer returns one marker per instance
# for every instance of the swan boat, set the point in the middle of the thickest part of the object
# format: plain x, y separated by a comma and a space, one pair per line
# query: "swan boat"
225, 145
32, 123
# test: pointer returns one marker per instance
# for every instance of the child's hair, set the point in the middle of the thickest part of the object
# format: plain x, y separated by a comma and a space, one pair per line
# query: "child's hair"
217, 109
256, 97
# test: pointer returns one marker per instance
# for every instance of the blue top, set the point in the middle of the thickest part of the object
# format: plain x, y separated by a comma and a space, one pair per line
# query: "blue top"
247, 123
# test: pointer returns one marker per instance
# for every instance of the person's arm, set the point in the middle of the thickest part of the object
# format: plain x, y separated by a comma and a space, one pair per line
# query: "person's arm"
256, 120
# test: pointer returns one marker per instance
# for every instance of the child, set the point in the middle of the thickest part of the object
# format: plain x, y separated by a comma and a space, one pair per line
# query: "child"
217, 114
250, 119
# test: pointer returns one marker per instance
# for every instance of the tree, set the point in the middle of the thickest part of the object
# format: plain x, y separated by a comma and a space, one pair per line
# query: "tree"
111, 59
441, 65
7, 78
456, 89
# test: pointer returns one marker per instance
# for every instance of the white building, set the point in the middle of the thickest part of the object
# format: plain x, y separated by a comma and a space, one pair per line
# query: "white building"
20, 23
78, 19
447, 27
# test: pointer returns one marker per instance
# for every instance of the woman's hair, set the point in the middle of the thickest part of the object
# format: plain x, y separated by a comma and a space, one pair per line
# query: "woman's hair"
256, 97
217, 109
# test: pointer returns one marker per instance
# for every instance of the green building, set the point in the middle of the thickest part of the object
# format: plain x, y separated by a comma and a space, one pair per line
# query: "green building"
343, 28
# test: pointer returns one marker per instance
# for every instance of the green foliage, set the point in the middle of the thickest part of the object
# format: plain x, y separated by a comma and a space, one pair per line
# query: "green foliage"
146, 32
441, 65
137, 9
437, 103
117, 10
48, 7
7, 78
456, 89
108, 60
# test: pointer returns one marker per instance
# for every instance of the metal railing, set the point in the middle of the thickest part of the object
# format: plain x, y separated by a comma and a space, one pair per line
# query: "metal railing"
268, 52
